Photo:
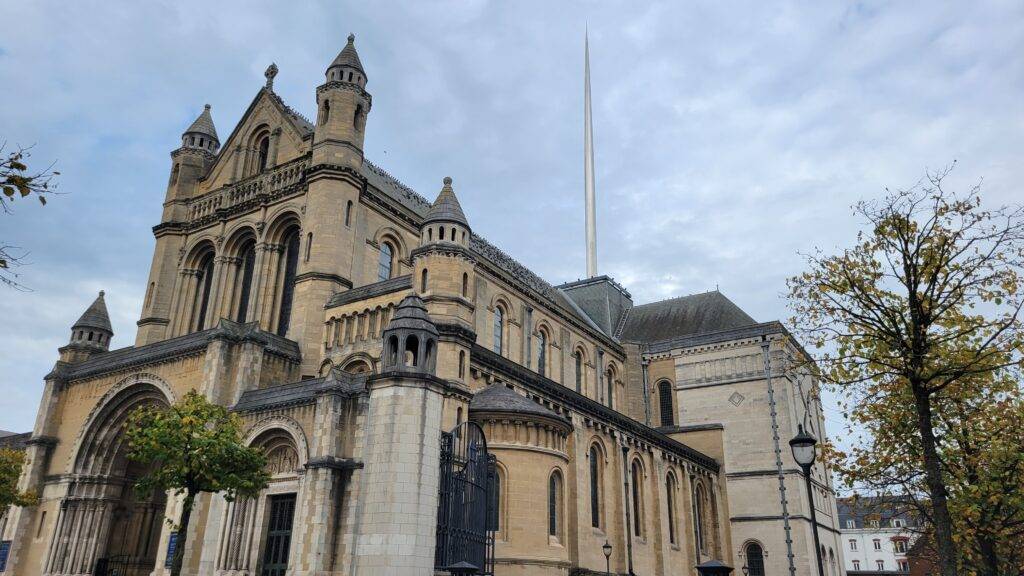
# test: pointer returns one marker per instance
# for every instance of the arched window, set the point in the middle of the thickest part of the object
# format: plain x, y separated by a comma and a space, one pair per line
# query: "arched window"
290, 264
309, 245
348, 213
496, 502
174, 174
635, 476
384, 262
665, 403
699, 508
542, 353
465, 285
578, 356
412, 350
554, 503
462, 363
246, 264
359, 110
670, 501
204, 281
440, 233
755, 559
609, 376
262, 153
595, 487
423, 281
499, 328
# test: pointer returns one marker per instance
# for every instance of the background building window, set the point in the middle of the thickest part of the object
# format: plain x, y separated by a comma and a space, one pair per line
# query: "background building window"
856, 564
877, 543
853, 545
880, 564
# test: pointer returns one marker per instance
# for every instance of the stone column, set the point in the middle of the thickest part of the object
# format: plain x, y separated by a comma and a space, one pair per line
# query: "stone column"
396, 525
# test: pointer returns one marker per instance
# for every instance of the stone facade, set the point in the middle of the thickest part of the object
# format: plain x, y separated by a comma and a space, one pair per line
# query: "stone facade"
351, 322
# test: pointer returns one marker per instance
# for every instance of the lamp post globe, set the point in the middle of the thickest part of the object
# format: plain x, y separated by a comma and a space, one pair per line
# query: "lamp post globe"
803, 448
746, 569
607, 549
803, 452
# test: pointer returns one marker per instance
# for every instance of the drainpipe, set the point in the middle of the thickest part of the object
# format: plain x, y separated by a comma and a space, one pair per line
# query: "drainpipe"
629, 524
778, 454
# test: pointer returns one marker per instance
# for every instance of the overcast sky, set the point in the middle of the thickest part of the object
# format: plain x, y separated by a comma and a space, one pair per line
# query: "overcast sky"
728, 135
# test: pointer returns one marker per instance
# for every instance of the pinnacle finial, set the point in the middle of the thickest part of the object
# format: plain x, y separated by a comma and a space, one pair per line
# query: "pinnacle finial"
206, 106
351, 38
447, 181
270, 74
101, 293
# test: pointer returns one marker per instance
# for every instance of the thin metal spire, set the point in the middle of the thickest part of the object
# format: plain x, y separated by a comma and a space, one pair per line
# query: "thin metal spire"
588, 164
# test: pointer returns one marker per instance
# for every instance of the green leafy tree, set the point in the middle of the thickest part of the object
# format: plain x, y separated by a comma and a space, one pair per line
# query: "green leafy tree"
192, 447
17, 181
11, 462
927, 298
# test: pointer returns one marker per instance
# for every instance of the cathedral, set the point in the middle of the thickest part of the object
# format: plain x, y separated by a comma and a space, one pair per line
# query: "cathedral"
427, 404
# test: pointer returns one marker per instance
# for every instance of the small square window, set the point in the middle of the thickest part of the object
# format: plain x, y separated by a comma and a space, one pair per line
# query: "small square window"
880, 564
877, 543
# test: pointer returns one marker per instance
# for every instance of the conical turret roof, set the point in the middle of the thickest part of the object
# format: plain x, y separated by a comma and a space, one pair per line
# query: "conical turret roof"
446, 208
411, 314
204, 124
502, 399
95, 316
348, 57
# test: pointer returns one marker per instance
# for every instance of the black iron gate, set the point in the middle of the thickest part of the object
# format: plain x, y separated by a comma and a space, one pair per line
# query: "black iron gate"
466, 510
279, 535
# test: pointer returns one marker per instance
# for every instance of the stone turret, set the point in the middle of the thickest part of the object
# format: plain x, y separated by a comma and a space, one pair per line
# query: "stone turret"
343, 105
445, 221
202, 134
410, 340
91, 334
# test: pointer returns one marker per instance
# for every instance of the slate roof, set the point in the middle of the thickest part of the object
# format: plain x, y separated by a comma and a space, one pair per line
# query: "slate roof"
502, 399
301, 392
863, 509
694, 314
95, 316
446, 208
204, 124
348, 57
411, 314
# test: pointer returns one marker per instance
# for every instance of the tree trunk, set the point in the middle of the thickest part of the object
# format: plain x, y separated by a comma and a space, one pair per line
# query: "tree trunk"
943, 525
179, 546
989, 557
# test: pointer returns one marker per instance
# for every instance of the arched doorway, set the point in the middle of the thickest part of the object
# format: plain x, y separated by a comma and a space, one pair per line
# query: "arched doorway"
103, 516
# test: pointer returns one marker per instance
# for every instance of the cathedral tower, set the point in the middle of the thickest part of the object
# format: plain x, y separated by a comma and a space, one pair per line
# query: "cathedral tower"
189, 164
335, 182
444, 272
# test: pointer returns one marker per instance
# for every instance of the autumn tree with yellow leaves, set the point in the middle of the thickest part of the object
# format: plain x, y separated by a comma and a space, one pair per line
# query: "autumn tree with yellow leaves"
923, 312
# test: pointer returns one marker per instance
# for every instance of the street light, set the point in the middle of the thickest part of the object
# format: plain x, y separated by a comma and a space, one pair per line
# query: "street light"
803, 452
746, 570
607, 549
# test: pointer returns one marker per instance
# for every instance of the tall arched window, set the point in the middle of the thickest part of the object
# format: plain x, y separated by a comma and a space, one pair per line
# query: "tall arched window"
578, 356
755, 559
465, 285
495, 511
670, 501
290, 263
462, 363
554, 503
542, 353
699, 508
665, 403
384, 262
609, 377
325, 112
262, 153
204, 282
635, 476
499, 328
247, 260
423, 281
348, 213
595, 487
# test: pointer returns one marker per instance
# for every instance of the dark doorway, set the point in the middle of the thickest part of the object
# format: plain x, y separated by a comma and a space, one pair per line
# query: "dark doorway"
279, 535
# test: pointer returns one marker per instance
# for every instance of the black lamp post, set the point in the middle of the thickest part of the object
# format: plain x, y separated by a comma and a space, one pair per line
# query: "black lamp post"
746, 570
803, 452
607, 549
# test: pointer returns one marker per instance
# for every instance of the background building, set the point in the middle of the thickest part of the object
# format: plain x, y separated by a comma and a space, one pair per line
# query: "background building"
877, 535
